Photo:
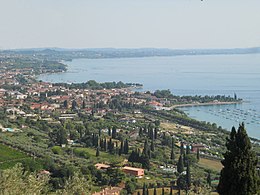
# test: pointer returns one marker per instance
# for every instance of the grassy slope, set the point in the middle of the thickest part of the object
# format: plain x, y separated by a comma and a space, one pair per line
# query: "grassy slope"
9, 157
210, 164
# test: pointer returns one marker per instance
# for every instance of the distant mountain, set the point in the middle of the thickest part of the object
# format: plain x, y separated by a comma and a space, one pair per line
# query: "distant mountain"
66, 54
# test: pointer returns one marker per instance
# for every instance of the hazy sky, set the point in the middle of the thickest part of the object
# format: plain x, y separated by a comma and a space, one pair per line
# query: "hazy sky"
129, 23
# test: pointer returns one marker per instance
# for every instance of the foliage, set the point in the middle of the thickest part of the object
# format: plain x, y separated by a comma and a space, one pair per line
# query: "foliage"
76, 185
239, 175
16, 181
180, 165
91, 84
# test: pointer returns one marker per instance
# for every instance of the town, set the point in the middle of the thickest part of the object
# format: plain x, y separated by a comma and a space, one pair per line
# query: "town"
127, 140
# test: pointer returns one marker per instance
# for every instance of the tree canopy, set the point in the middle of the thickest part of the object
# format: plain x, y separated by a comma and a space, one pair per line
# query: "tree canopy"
239, 175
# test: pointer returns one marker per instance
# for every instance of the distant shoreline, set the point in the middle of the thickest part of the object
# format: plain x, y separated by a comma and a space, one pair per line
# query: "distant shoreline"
205, 104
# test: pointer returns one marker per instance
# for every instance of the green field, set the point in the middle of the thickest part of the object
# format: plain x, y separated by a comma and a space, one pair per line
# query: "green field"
9, 157
104, 156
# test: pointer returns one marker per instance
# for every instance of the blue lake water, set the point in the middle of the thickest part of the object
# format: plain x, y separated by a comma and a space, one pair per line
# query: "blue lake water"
184, 75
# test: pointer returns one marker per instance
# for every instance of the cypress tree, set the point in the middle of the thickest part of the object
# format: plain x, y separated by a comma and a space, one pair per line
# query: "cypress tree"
126, 147
114, 132
145, 162
151, 134
65, 104
83, 104
109, 131
238, 175
121, 150
97, 152
209, 179
111, 146
145, 151
185, 160
172, 151
172, 154
117, 149
198, 154
101, 143
180, 165
149, 154
105, 145
131, 157
93, 139
172, 142
74, 105
155, 133
96, 141
152, 145
188, 176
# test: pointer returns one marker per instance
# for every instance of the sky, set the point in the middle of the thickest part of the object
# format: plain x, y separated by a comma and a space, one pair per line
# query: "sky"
176, 24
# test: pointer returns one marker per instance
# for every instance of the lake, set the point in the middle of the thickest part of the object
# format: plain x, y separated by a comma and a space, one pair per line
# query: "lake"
184, 75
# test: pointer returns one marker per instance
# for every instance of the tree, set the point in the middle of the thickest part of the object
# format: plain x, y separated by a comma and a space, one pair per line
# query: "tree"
110, 146
209, 179
145, 162
83, 104
146, 148
114, 132
65, 104
198, 154
188, 176
105, 145
172, 151
152, 145
157, 123
130, 187
116, 176
121, 150
97, 152
76, 184
62, 136
187, 149
74, 105
155, 133
16, 181
181, 182
180, 165
126, 147
109, 131
239, 175
172, 155
134, 156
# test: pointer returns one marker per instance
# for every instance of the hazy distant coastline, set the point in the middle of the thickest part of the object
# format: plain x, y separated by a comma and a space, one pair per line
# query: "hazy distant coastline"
99, 53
